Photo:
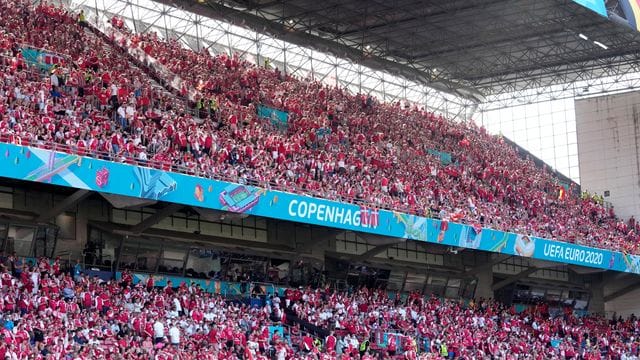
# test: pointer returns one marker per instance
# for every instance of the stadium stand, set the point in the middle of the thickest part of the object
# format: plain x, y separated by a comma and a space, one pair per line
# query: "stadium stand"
100, 100
50, 310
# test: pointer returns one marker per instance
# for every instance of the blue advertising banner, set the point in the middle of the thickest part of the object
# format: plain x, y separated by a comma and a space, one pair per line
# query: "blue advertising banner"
42, 59
594, 5
225, 288
277, 117
445, 158
46, 166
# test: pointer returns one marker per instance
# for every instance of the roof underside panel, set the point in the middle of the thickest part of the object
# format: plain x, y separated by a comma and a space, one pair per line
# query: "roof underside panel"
493, 46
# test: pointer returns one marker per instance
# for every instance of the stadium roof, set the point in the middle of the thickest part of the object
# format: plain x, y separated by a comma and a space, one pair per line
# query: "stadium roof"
473, 48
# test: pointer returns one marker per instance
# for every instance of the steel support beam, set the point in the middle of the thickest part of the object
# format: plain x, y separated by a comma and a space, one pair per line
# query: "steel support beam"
380, 244
216, 10
373, 252
518, 53
200, 240
489, 265
20, 215
400, 265
377, 240
123, 202
214, 32
63, 206
514, 278
168, 210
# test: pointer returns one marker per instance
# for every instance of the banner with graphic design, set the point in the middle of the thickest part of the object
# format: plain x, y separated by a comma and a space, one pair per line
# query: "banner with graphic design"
42, 59
46, 166
597, 6
278, 118
445, 157
225, 288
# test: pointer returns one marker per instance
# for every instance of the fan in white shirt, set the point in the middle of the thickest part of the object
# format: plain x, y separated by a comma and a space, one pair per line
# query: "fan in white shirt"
158, 330
174, 335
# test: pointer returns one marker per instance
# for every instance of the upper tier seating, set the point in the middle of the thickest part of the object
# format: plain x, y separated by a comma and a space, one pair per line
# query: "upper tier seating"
337, 145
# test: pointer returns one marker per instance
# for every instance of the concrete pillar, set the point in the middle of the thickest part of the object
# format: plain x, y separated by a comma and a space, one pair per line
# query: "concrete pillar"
75, 246
596, 303
485, 281
82, 225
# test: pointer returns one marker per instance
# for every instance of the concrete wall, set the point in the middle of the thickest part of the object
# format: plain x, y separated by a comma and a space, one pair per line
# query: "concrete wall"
608, 131
624, 305
626, 302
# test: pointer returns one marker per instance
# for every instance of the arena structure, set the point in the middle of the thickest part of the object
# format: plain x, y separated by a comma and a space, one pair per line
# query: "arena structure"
462, 60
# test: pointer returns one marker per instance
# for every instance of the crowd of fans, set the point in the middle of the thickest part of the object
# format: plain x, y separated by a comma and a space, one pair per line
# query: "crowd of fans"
49, 312
98, 101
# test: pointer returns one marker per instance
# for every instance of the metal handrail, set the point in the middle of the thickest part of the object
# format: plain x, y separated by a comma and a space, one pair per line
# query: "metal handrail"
167, 166
163, 165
